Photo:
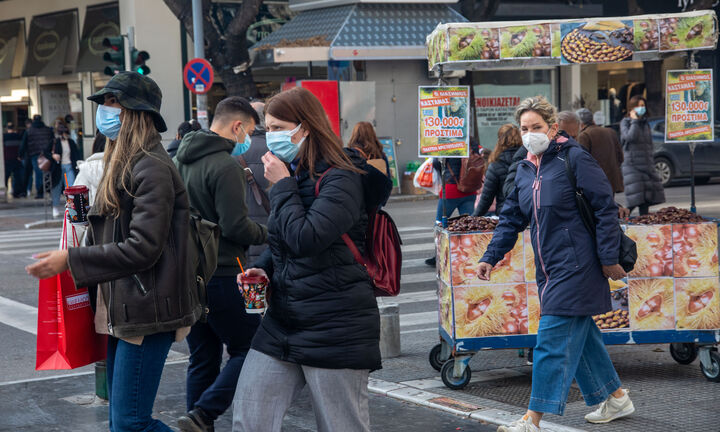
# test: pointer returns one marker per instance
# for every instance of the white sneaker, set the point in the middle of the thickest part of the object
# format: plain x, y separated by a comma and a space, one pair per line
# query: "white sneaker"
56, 213
525, 424
612, 409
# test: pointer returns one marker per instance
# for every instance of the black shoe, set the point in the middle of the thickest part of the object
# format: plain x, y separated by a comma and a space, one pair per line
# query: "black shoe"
431, 261
195, 421
38, 197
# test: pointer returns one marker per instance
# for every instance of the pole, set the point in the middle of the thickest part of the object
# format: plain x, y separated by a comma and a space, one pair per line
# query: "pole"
199, 45
184, 59
692, 177
130, 39
443, 162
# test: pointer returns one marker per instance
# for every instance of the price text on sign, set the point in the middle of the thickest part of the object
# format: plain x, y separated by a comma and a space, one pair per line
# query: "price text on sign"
198, 76
443, 121
689, 106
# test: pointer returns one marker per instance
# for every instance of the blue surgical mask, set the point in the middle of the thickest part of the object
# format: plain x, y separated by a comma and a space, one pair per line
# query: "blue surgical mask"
108, 122
640, 110
242, 147
281, 145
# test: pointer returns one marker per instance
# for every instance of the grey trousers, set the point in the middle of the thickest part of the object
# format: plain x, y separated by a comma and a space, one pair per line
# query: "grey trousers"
268, 386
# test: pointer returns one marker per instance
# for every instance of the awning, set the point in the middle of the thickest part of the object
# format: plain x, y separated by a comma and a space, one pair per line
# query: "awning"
101, 21
52, 45
12, 47
358, 32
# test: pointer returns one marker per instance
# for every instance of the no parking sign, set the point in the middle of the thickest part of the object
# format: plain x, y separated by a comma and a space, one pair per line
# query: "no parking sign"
198, 76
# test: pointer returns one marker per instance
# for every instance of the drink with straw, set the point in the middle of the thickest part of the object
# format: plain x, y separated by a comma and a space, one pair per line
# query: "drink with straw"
253, 289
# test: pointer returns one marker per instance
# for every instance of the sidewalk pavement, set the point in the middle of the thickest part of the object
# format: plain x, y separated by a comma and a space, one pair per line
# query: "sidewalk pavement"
67, 404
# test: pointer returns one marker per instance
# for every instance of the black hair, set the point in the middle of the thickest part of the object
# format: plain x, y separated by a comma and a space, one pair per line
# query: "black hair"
235, 105
37, 118
195, 125
184, 128
69, 118
99, 143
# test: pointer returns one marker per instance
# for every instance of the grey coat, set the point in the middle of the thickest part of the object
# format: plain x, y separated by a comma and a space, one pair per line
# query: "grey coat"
642, 183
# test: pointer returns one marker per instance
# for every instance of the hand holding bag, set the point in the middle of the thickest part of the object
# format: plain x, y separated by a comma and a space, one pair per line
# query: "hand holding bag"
66, 337
427, 178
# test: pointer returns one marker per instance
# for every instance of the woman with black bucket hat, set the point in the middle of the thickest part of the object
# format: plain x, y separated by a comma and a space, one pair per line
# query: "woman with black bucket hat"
135, 261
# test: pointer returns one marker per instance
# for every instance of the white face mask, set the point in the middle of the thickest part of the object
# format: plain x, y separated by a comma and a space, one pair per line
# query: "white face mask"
536, 142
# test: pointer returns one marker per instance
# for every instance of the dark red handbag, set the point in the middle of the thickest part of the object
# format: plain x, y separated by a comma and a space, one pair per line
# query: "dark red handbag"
383, 251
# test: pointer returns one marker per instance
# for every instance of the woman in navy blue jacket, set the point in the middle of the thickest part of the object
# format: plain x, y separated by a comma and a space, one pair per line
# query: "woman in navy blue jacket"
572, 268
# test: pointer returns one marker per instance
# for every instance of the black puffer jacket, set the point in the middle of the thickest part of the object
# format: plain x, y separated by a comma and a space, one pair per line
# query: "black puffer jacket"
642, 183
322, 309
509, 184
494, 180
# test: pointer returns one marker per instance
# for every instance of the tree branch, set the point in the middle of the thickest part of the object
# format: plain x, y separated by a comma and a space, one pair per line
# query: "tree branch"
247, 14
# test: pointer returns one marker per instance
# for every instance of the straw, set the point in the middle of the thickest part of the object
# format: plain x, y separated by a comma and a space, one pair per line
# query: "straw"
66, 181
240, 264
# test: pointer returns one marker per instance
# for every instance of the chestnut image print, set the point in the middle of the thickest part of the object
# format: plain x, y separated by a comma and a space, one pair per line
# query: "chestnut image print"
491, 310
651, 304
695, 250
654, 246
530, 268
466, 250
686, 32
533, 302
697, 303
595, 42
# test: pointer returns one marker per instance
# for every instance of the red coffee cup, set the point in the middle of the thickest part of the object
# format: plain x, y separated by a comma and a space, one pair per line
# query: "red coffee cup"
77, 203
253, 289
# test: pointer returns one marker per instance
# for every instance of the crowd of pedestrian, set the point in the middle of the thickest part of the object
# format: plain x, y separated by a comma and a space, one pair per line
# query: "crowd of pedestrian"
283, 191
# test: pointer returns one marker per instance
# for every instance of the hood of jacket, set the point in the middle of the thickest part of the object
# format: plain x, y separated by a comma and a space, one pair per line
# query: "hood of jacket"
198, 144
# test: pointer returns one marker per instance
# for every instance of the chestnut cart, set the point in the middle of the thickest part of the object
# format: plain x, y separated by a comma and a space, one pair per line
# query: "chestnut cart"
672, 296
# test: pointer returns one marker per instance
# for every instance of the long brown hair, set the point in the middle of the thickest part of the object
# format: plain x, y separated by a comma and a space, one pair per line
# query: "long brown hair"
299, 106
634, 102
508, 137
364, 139
137, 136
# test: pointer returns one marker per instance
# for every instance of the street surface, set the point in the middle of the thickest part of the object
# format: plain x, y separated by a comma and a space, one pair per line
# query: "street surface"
667, 396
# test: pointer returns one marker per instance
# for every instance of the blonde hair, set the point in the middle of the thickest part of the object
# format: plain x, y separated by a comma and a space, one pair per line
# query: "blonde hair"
539, 105
137, 136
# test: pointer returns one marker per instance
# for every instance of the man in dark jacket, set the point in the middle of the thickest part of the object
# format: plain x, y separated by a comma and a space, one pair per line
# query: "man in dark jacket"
255, 195
604, 146
36, 140
13, 163
184, 128
216, 187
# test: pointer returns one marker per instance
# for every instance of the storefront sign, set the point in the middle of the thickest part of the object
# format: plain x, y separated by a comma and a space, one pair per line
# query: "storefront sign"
50, 44
389, 149
689, 106
10, 33
100, 22
495, 106
552, 42
443, 121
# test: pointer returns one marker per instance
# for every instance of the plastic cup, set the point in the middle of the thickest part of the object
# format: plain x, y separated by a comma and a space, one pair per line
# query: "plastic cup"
77, 202
253, 289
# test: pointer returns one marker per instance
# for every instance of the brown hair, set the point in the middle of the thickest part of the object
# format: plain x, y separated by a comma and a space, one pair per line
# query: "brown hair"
539, 105
364, 139
137, 136
299, 106
634, 102
508, 137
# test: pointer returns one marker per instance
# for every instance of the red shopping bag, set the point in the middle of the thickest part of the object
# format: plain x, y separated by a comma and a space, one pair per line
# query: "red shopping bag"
66, 337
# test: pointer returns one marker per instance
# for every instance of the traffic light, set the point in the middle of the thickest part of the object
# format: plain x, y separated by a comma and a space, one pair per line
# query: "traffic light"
138, 59
115, 55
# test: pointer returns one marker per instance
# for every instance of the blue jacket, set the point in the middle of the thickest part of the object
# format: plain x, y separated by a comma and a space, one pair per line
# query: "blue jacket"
568, 260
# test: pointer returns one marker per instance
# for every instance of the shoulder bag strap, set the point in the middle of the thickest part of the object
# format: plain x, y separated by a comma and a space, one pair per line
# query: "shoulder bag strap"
583, 206
260, 196
346, 238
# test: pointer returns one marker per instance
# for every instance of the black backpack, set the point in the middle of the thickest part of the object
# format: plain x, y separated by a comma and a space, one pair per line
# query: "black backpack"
204, 237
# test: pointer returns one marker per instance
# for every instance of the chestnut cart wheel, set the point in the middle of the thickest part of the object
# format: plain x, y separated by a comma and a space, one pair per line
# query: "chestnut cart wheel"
447, 373
709, 364
435, 357
684, 353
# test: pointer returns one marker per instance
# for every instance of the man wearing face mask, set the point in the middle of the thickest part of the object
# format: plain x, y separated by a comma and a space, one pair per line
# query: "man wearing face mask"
216, 186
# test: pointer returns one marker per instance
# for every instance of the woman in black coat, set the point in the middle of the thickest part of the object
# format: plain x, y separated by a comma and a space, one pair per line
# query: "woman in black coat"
643, 186
65, 154
509, 140
322, 326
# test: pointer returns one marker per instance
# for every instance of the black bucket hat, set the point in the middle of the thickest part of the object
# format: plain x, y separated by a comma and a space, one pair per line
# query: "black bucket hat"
136, 92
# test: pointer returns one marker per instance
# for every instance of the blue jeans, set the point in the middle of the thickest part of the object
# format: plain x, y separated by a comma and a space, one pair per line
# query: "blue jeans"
463, 205
39, 187
67, 170
208, 387
567, 347
133, 377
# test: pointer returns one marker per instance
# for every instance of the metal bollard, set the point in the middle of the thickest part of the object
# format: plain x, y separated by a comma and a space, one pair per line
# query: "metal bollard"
101, 389
389, 330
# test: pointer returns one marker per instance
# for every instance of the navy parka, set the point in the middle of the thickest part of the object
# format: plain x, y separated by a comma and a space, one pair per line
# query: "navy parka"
568, 260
